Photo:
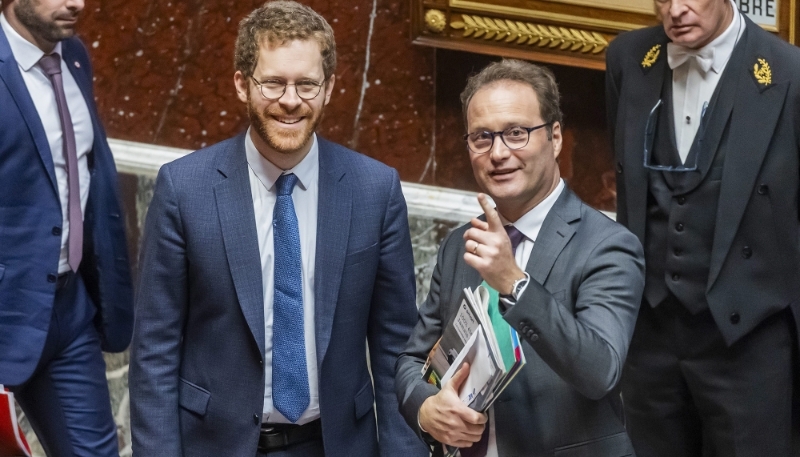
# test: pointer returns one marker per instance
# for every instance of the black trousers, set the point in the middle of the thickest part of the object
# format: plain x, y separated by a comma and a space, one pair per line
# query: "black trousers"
688, 394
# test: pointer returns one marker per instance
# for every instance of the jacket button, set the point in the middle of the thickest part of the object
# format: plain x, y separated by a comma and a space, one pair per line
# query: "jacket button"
57, 231
678, 252
534, 336
676, 276
256, 419
747, 252
526, 329
51, 277
619, 167
735, 318
763, 189
679, 227
681, 200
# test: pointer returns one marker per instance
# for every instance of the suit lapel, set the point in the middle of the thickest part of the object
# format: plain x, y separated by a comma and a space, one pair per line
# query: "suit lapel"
755, 116
237, 219
333, 231
85, 85
554, 235
644, 91
10, 74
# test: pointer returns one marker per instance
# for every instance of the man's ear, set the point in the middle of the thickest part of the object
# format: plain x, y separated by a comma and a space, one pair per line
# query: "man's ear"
557, 139
242, 86
329, 88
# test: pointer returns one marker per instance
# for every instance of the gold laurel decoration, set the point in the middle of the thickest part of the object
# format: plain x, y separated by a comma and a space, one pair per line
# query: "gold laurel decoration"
435, 20
651, 56
763, 74
526, 33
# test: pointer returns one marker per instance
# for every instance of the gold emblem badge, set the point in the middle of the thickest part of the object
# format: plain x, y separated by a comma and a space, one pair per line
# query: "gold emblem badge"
762, 73
651, 56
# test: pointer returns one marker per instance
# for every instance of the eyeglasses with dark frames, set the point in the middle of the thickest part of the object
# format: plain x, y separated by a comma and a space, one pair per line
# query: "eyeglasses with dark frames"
273, 89
650, 136
515, 137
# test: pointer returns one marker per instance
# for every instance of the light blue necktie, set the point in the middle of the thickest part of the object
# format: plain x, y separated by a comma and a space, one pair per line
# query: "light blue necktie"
290, 393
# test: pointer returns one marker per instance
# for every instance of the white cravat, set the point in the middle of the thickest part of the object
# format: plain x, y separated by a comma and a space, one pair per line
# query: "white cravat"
677, 55
695, 75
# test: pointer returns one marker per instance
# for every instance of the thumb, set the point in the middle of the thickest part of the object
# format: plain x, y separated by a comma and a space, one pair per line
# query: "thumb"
458, 379
492, 217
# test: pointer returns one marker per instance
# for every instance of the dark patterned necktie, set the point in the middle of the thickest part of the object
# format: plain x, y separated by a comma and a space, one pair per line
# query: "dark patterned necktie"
515, 236
51, 64
290, 392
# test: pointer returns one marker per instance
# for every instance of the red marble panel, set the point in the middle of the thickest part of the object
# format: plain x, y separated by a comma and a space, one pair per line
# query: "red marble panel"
164, 75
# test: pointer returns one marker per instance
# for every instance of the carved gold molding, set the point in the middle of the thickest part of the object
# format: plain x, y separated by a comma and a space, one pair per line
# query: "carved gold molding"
435, 21
542, 15
526, 33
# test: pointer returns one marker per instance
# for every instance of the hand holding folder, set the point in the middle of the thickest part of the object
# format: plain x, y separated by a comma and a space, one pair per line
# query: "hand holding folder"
477, 335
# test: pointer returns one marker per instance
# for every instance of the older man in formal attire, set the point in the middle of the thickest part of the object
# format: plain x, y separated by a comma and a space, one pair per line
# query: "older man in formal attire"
704, 112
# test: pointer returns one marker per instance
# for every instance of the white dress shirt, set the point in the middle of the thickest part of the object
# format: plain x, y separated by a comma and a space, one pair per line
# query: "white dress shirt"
41, 92
263, 176
692, 88
529, 224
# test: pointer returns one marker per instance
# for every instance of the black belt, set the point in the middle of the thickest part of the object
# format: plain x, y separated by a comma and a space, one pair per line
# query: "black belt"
279, 436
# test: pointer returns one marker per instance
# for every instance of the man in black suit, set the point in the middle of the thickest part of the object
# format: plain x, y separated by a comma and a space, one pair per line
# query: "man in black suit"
570, 281
705, 120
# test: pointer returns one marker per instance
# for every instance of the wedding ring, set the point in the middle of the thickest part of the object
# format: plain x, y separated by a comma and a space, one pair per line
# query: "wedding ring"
475, 249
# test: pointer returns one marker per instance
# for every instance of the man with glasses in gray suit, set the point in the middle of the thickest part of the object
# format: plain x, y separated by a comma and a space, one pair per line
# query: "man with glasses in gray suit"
570, 281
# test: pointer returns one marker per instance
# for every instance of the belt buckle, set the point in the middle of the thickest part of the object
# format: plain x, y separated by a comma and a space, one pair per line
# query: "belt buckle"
275, 438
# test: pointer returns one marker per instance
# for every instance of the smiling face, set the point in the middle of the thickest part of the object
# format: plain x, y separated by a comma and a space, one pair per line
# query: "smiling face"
517, 180
282, 129
694, 23
44, 22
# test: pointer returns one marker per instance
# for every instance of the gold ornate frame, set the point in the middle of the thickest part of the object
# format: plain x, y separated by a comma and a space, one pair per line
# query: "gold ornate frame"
565, 32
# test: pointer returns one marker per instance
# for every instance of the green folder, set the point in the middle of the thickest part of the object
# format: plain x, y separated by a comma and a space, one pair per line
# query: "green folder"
501, 328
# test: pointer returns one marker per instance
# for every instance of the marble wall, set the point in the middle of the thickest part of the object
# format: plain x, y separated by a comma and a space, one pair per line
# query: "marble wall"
164, 75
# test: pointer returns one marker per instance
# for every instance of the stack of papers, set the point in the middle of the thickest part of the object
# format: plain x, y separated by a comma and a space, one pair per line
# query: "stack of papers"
480, 336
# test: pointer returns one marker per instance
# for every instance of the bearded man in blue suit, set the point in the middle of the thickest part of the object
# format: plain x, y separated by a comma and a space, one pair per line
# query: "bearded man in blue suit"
269, 262
65, 287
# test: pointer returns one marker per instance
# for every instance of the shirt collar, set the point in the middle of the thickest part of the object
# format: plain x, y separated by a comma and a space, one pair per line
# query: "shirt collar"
306, 171
531, 222
723, 45
25, 53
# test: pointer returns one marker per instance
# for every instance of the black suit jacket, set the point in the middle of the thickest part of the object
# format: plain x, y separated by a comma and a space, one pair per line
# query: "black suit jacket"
576, 318
755, 258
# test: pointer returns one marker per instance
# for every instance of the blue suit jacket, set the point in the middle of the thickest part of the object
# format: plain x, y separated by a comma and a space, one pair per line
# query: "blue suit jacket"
197, 374
30, 224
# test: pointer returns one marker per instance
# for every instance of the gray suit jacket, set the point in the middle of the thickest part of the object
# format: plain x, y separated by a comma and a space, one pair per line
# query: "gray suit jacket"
576, 317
